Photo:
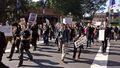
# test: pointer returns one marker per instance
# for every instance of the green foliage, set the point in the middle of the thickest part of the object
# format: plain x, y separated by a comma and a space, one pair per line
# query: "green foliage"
77, 7
116, 19
11, 12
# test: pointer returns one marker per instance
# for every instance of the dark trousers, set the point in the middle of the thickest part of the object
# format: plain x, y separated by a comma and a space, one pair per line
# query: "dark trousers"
21, 55
15, 44
1, 64
104, 46
34, 43
88, 42
1, 54
46, 39
75, 51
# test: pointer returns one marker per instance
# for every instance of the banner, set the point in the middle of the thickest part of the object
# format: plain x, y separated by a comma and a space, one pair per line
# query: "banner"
101, 35
67, 20
80, 41
7, 30
32, 17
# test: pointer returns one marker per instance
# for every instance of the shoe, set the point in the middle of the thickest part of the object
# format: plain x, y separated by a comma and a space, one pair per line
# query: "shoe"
58, 50
19, 65
34, 49
31, 59
17, 51
62, 60
8, 57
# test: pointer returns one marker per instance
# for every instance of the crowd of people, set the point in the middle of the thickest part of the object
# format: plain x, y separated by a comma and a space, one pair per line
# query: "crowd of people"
25, 34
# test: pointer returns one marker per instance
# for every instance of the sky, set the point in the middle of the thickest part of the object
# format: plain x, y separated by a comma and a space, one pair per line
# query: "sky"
115, 7
117, 2
35, 0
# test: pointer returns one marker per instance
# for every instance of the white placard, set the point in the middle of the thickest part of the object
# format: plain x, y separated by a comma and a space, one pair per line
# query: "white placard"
101, 35
67, 20
80, 41
7, 30
97, 23
32, 17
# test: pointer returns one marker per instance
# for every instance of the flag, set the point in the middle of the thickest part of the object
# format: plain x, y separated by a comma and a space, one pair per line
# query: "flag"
18, 5
112, 3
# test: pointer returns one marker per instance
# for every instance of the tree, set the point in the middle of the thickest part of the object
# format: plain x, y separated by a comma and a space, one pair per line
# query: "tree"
77, 7
2, 10
92, 6
67, 6
11, 9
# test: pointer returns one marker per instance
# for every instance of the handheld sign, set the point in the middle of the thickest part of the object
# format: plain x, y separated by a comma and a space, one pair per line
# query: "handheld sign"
32, 17
101, 35
7, 30
67, 20
80, 41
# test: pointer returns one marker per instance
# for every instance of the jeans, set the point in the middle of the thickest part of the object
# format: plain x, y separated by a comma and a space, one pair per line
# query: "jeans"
88, 42
64, 51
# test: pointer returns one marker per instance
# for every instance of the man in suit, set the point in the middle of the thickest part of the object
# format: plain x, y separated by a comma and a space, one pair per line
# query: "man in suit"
2, 48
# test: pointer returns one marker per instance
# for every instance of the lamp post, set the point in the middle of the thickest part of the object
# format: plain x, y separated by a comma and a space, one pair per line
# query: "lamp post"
43, 8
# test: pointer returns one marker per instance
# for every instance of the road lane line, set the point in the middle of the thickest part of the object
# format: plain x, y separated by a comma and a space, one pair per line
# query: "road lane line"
101, 59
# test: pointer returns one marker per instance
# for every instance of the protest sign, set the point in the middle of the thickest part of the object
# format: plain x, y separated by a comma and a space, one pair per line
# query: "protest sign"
101, 35
80, 41
7, 30
32, 17
67, 20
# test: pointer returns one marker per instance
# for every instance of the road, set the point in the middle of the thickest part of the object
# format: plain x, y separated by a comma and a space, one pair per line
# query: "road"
49, 57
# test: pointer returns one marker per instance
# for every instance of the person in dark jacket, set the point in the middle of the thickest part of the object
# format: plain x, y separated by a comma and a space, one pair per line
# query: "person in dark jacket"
115, 33
16, 43
25, 45
3, 45
80, 47
46, 35
65, 40
88, 35
105, 42
35, 36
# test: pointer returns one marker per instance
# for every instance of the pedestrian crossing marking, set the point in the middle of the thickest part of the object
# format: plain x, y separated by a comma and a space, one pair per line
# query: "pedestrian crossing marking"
101, 59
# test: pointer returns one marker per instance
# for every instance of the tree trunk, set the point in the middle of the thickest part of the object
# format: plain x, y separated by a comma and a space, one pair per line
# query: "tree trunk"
2, 11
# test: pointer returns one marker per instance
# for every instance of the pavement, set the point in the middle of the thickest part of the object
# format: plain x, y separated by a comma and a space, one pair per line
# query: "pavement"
49, 57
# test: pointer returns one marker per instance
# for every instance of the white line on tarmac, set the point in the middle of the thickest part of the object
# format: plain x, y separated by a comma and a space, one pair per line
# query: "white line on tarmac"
101, 59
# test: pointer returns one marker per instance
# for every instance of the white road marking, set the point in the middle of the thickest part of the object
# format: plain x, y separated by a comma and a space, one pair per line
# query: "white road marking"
101, 59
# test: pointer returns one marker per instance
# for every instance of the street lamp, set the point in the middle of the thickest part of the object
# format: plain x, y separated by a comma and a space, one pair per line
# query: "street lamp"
43, 8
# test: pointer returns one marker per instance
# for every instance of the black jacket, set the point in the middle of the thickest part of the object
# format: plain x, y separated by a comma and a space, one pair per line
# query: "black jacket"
3, 43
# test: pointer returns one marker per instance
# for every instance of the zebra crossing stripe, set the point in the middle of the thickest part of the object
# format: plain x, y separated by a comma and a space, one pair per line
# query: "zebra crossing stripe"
101, 59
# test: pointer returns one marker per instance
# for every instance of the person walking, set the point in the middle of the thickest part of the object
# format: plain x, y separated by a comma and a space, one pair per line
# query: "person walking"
115, 33
25, 45
80, 47
46, 35
3, 45
65, 40
35, 36
88, 35
105, 42
16, 43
